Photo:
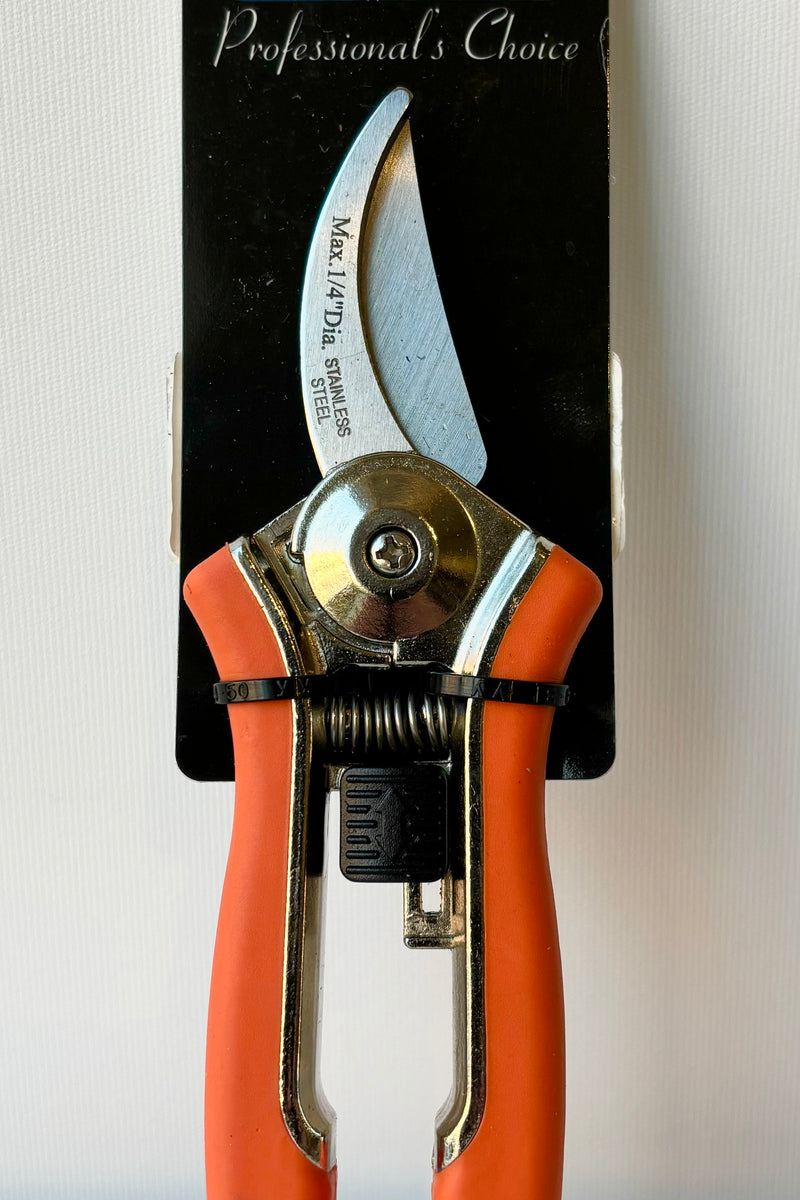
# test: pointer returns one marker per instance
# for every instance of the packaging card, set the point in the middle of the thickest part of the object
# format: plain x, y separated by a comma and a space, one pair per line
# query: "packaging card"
510, 133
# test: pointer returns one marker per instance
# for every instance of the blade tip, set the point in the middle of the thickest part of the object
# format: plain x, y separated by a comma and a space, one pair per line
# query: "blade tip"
399, 98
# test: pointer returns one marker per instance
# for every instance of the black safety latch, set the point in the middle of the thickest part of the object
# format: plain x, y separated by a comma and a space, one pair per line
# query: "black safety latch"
394, 823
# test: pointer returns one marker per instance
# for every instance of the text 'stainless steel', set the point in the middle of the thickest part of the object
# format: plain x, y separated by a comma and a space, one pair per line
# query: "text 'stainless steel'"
399, 639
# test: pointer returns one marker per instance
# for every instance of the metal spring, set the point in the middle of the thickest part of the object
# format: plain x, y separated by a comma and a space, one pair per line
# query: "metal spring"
398, 723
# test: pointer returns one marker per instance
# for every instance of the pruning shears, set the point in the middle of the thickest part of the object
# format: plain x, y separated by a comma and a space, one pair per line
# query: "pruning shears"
399, 640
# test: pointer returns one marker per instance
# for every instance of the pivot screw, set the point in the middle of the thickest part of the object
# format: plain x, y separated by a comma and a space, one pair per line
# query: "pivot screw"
392, 552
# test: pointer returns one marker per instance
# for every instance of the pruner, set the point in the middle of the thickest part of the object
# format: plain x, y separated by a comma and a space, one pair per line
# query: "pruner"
397, 640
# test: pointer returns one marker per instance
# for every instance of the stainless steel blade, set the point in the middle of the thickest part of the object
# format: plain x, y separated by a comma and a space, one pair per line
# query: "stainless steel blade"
346, 410
379, 369
407, 329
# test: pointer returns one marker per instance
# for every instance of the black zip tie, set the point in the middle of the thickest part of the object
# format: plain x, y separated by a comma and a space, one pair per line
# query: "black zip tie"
379, 681
510, 691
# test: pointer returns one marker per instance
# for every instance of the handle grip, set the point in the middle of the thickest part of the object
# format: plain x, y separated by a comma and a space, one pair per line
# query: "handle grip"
249, 1151
518, 1150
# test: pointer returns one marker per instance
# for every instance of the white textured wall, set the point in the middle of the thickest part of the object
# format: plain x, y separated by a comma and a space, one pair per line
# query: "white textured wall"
677, 875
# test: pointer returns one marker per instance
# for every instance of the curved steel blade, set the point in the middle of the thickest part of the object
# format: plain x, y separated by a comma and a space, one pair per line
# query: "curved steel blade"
379, 369
407, 328
346, 410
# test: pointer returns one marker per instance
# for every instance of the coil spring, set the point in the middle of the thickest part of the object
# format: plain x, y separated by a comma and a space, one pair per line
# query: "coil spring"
398, 723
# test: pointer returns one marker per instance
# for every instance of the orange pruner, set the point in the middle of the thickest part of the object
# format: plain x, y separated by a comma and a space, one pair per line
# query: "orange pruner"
399, 640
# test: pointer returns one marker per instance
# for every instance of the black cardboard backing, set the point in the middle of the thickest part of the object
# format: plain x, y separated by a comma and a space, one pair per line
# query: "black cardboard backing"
510, 133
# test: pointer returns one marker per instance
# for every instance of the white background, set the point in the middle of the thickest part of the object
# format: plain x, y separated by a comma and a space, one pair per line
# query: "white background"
676, 875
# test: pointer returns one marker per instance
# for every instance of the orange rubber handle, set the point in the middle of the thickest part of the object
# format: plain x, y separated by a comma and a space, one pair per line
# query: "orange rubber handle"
249, 1151
518, 1150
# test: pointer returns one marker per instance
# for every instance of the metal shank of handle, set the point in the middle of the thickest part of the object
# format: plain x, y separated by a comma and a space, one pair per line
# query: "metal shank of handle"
517, 1151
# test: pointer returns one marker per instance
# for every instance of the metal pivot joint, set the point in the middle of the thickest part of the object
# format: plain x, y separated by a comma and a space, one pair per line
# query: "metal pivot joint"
392, 552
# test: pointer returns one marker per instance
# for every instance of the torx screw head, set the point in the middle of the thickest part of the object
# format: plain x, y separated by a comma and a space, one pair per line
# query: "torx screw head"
392, 552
